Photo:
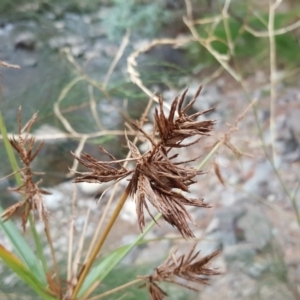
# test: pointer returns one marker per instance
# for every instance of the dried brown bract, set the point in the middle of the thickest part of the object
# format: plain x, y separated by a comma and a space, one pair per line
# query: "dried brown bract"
157, 178
174, 129
187, 268
100, 171
32, 194
160, 181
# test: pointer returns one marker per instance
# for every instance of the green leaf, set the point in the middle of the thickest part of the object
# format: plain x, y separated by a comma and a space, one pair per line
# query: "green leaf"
23, 250
25, 274
99, 272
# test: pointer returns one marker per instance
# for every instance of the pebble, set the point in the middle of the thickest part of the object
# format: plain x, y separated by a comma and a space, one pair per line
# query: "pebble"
25, 40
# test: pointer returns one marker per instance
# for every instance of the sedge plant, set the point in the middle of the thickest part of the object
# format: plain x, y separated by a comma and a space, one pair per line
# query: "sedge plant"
158, 178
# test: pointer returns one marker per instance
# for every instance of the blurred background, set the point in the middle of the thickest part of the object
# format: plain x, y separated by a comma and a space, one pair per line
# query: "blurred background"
89, 66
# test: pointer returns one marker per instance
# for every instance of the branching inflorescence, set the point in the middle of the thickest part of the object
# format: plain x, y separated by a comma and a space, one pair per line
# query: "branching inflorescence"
32, 194
174, 269
157, 178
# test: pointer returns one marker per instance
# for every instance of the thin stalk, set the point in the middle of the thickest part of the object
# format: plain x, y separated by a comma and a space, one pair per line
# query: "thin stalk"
225, 18
15, 167
101, 241
272, 76
117, 289
209, 155
50, 242
71, 235
39, 246
264, 147
120, 257
99, 226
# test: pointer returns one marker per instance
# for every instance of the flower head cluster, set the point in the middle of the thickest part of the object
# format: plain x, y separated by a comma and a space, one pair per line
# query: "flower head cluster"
178, 270
32, 195
157, 178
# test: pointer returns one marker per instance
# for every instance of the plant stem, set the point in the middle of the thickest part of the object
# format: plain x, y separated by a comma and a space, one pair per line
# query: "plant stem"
86, 268
39, 246
117, 289
120, 257
209, 155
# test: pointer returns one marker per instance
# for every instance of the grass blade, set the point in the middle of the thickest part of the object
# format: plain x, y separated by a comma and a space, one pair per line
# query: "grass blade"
99, 272
25, 274
23, 250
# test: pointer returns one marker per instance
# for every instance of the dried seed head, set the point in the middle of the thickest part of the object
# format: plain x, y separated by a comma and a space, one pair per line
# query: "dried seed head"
160, 181
100, 171
157, 178
174, 269
32, 194
174, 129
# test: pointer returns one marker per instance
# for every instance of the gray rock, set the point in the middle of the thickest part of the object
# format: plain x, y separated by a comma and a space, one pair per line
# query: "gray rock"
256, 229
96, 31
259, 182
209, 244
78, 50
58, 42
256, 269
275, 291
29, 62
227, 218
288, 136
25, 40
92, 189
240, 252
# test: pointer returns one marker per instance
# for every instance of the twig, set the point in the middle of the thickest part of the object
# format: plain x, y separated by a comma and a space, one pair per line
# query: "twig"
71, 235
91, 81
225, 17
117, 289
119, 54
56, 107
58, 136
7, 65
273, 80
83, 273
80, 246
77, 153
11, 174
206, 43
50, 243
134, 75
93, 107
275, 32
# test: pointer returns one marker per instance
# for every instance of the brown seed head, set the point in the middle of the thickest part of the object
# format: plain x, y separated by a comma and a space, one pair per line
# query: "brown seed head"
32, 194
189, 268
157, 178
